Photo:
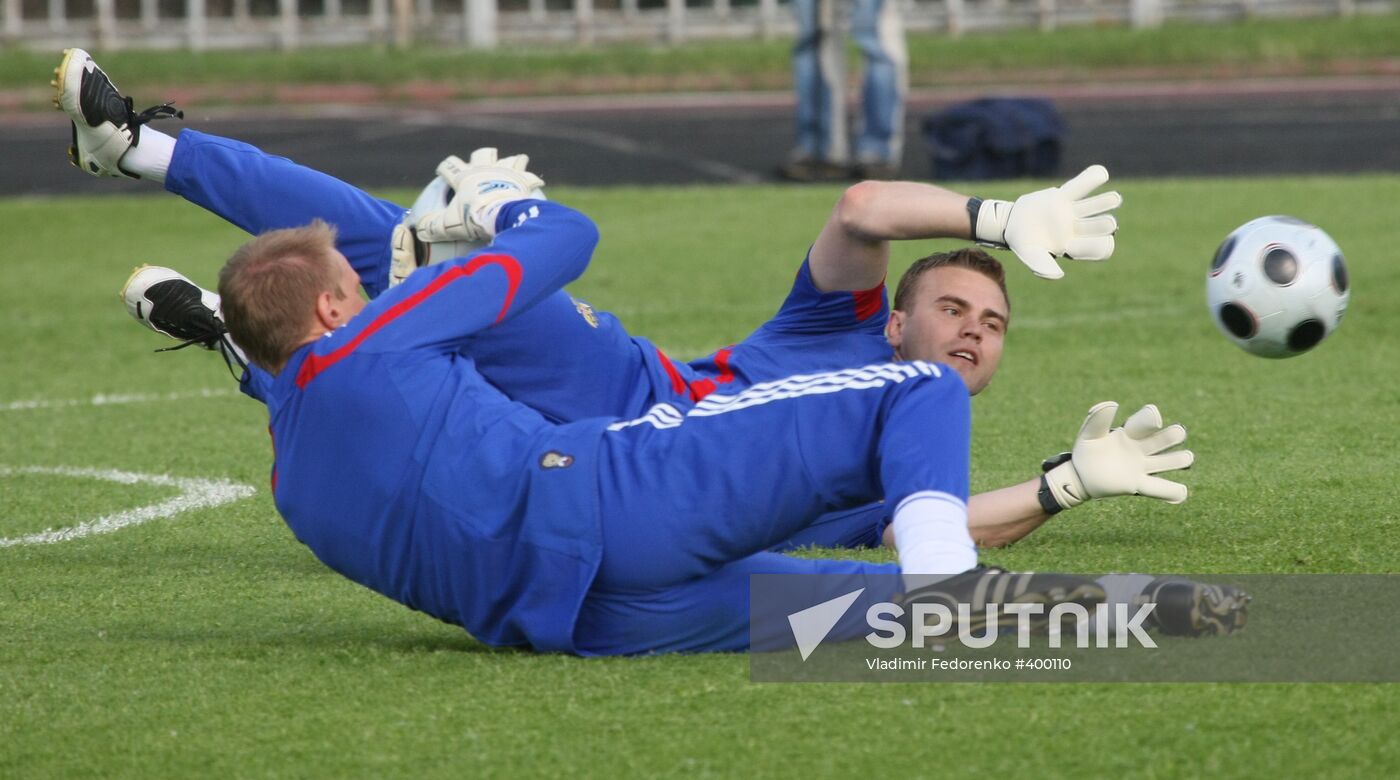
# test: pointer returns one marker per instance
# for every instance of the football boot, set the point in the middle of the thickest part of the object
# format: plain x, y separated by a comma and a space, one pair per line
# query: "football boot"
105, 126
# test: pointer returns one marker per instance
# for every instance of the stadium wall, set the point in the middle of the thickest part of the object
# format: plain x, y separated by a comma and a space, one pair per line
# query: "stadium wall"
484, 24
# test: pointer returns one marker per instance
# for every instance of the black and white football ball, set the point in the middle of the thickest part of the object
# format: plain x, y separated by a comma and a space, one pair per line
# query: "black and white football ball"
1277, 287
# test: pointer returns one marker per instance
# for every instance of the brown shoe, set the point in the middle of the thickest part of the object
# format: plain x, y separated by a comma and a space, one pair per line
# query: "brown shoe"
808, 169
880, 171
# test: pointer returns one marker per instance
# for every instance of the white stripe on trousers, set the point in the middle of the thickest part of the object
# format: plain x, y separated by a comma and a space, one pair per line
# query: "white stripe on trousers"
665, 415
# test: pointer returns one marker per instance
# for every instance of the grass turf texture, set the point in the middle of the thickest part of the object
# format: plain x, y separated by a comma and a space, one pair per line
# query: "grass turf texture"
212, 643
1022, 56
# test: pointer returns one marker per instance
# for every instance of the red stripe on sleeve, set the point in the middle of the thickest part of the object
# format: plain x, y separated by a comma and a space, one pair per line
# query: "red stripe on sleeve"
869, 302
677, 383
703, 387
726, 374
315, 364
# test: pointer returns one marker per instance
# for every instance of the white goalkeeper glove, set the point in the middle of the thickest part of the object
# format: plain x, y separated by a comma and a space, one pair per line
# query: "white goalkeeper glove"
481, 187
1119, 461
1050, 223
406, 254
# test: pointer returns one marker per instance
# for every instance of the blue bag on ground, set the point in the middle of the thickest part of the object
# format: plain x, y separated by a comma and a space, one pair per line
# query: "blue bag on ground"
995, 138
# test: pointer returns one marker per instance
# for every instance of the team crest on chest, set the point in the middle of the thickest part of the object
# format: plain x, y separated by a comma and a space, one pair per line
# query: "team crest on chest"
556, 460
586, 312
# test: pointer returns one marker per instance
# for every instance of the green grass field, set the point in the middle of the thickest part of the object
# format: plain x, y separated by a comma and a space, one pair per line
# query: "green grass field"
210, 643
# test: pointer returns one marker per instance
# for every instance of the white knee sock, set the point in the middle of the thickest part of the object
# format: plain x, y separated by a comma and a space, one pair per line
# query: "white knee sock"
150, 159
930, 533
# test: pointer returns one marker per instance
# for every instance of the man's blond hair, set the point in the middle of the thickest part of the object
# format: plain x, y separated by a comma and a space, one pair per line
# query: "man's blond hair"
269, 289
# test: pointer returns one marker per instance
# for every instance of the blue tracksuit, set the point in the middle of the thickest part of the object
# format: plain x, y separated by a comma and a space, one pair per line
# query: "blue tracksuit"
451, 496
403, 469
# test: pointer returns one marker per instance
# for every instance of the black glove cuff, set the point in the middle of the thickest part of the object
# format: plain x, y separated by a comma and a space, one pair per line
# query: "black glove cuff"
1048, 504
974, 208
1055, 460
420, 249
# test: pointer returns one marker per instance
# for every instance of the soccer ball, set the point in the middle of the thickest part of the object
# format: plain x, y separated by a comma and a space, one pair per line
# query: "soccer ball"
1277, 287
436, 196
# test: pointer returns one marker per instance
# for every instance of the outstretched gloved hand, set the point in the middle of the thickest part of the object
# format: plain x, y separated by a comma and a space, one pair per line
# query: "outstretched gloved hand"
1056, 222
1110, 461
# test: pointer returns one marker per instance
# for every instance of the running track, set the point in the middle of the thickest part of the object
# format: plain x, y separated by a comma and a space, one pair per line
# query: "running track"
1258, 127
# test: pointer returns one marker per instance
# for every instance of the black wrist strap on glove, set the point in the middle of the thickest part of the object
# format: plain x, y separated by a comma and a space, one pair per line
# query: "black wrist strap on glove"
420, 249
1048, 504
974, 207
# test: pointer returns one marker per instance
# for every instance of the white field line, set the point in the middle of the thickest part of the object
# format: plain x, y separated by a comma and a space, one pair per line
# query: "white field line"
194, 494
112, 399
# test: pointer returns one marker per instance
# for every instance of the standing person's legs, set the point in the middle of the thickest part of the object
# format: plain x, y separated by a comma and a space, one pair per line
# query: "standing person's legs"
878, 30
819, 77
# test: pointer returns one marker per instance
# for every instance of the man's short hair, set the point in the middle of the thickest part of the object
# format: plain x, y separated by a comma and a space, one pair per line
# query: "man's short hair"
269, 288
971, 258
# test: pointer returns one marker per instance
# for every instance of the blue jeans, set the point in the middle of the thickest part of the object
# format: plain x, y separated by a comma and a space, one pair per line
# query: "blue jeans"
819, 76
